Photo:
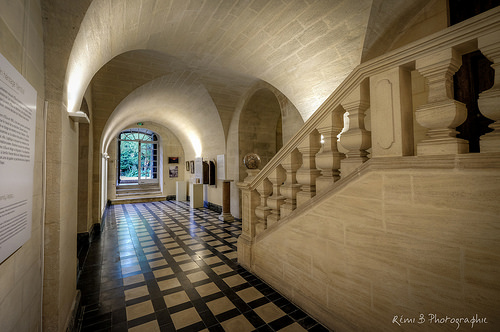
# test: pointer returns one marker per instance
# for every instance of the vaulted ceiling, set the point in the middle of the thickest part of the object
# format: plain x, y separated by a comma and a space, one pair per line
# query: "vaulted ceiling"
208, 53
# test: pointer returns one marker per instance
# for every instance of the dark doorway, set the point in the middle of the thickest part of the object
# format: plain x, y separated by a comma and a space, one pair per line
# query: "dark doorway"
460, 10
474, 77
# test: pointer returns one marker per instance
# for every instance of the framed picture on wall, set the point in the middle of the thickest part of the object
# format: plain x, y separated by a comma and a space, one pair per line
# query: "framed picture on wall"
173, 171
173, 160
191, 165
187, 165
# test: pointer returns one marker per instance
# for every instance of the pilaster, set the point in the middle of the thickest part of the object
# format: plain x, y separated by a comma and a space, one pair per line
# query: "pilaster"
391, 113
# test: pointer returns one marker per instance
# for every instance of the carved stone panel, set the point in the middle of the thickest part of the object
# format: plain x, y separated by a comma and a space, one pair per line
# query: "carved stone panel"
391, 113
385, 113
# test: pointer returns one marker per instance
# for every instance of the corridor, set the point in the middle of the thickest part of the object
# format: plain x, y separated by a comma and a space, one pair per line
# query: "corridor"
163, 266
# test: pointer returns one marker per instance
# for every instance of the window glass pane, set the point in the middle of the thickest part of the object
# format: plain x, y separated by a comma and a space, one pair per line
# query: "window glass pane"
138, 159
129, 156
146, 160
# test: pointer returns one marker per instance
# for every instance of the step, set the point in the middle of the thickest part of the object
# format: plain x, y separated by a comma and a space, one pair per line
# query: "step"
137, 199
138, 190
138, 193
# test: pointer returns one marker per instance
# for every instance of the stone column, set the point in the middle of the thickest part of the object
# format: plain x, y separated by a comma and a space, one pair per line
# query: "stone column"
356, 140
277, 176
226, 201
328, 158
291, 164
489, 101
442, 114
307, 173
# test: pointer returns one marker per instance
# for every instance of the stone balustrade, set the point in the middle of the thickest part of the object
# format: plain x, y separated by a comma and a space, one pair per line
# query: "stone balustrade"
382, 89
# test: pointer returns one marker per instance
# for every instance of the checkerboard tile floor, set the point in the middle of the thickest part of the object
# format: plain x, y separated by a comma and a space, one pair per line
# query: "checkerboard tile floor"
163, 266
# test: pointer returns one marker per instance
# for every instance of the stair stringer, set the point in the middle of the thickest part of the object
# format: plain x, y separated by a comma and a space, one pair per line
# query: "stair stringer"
419, 237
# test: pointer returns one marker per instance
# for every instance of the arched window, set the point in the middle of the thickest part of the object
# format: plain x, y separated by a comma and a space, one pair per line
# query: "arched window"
138, 156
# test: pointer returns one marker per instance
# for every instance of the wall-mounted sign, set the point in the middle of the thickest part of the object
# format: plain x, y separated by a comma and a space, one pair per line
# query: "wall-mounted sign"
17, 153
221, 167
198, 169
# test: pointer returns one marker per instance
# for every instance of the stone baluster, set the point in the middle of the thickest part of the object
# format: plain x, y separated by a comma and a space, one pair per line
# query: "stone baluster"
291, 164
307, 173
328, 158
265, 188
489, 101
356, 140
277, 176
442, 114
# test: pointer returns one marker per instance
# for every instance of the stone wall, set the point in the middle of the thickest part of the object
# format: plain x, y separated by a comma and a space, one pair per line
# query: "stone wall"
21, 42
399, 242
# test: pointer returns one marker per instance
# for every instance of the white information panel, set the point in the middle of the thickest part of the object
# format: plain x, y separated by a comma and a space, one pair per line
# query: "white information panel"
17, 153
198, 169
221, 167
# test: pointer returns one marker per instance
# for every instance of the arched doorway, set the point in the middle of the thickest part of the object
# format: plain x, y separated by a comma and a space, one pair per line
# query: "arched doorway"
137, 157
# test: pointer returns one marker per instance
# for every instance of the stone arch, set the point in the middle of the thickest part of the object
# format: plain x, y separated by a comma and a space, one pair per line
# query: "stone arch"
260, 127
291, 121
168, 145
186, 109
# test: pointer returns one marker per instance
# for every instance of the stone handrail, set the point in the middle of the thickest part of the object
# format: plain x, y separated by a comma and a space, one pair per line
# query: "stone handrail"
371, 85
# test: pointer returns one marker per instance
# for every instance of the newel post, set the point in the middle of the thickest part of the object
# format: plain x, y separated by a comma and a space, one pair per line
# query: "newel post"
250, 199
489, 101
442, 114
328, 158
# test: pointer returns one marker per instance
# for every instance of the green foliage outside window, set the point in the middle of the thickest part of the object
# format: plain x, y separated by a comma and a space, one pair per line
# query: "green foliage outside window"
130, 149
129, 152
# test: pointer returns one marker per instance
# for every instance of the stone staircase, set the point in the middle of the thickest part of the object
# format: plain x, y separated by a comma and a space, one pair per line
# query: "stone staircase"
399, 209
137, 193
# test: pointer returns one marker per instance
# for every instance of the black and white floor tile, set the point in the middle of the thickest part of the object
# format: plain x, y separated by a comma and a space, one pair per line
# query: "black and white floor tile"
163, 266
